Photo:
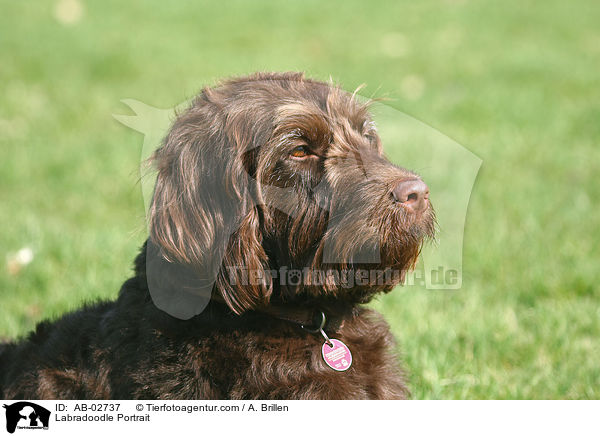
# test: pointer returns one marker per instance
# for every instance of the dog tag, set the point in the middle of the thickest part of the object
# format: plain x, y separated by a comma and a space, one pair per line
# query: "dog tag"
338, 356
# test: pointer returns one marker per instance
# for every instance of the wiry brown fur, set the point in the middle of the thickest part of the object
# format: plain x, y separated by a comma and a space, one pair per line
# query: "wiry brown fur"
228, 194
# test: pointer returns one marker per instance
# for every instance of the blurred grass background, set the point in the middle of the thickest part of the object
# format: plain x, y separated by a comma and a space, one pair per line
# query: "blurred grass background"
516, 82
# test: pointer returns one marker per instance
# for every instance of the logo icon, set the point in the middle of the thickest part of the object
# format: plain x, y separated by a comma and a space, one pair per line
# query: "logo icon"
410, 143
26, 415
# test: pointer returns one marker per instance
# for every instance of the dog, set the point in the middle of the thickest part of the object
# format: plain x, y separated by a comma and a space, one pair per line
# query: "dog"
275, 217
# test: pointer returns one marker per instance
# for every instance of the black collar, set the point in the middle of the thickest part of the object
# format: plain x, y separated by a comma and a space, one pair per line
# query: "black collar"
307, 316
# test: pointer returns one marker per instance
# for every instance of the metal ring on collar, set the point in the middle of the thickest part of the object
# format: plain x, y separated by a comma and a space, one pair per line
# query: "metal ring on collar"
320, 328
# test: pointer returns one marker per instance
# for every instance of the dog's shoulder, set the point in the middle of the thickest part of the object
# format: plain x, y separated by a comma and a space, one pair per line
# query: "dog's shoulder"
29, 365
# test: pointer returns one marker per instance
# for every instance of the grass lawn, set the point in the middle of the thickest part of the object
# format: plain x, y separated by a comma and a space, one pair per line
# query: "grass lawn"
517, 83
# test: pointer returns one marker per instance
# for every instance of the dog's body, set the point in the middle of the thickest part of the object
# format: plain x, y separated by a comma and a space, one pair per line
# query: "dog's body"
230, 338
129, 349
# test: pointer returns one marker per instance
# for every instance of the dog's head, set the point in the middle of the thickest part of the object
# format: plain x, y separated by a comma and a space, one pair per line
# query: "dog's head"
275, 175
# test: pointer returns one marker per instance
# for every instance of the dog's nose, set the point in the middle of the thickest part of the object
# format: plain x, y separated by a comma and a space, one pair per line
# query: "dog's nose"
413, 193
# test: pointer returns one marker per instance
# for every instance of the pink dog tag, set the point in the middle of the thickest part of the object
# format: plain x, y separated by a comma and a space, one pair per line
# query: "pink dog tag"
337, 357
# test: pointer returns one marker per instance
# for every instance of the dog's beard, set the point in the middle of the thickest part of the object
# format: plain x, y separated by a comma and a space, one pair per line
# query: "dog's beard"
354, 256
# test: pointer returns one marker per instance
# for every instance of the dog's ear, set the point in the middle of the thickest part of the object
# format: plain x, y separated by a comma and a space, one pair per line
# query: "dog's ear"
244, 281
203, 215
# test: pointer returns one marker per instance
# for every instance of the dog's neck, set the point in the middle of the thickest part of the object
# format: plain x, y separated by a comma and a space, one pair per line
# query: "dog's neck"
290, 305
306, 315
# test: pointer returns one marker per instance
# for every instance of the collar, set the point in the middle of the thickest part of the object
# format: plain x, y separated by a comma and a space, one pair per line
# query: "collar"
309, 317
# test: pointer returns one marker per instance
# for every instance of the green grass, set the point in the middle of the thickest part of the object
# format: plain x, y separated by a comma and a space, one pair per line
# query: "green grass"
515, 82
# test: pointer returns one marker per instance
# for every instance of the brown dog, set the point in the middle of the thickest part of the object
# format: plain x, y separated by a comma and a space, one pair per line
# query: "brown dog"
275, 216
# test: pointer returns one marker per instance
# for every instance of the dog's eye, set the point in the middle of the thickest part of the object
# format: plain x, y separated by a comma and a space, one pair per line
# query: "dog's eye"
371, 137
300, 152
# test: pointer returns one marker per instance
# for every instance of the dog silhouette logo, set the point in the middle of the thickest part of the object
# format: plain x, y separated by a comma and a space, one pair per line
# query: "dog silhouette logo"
26, 415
